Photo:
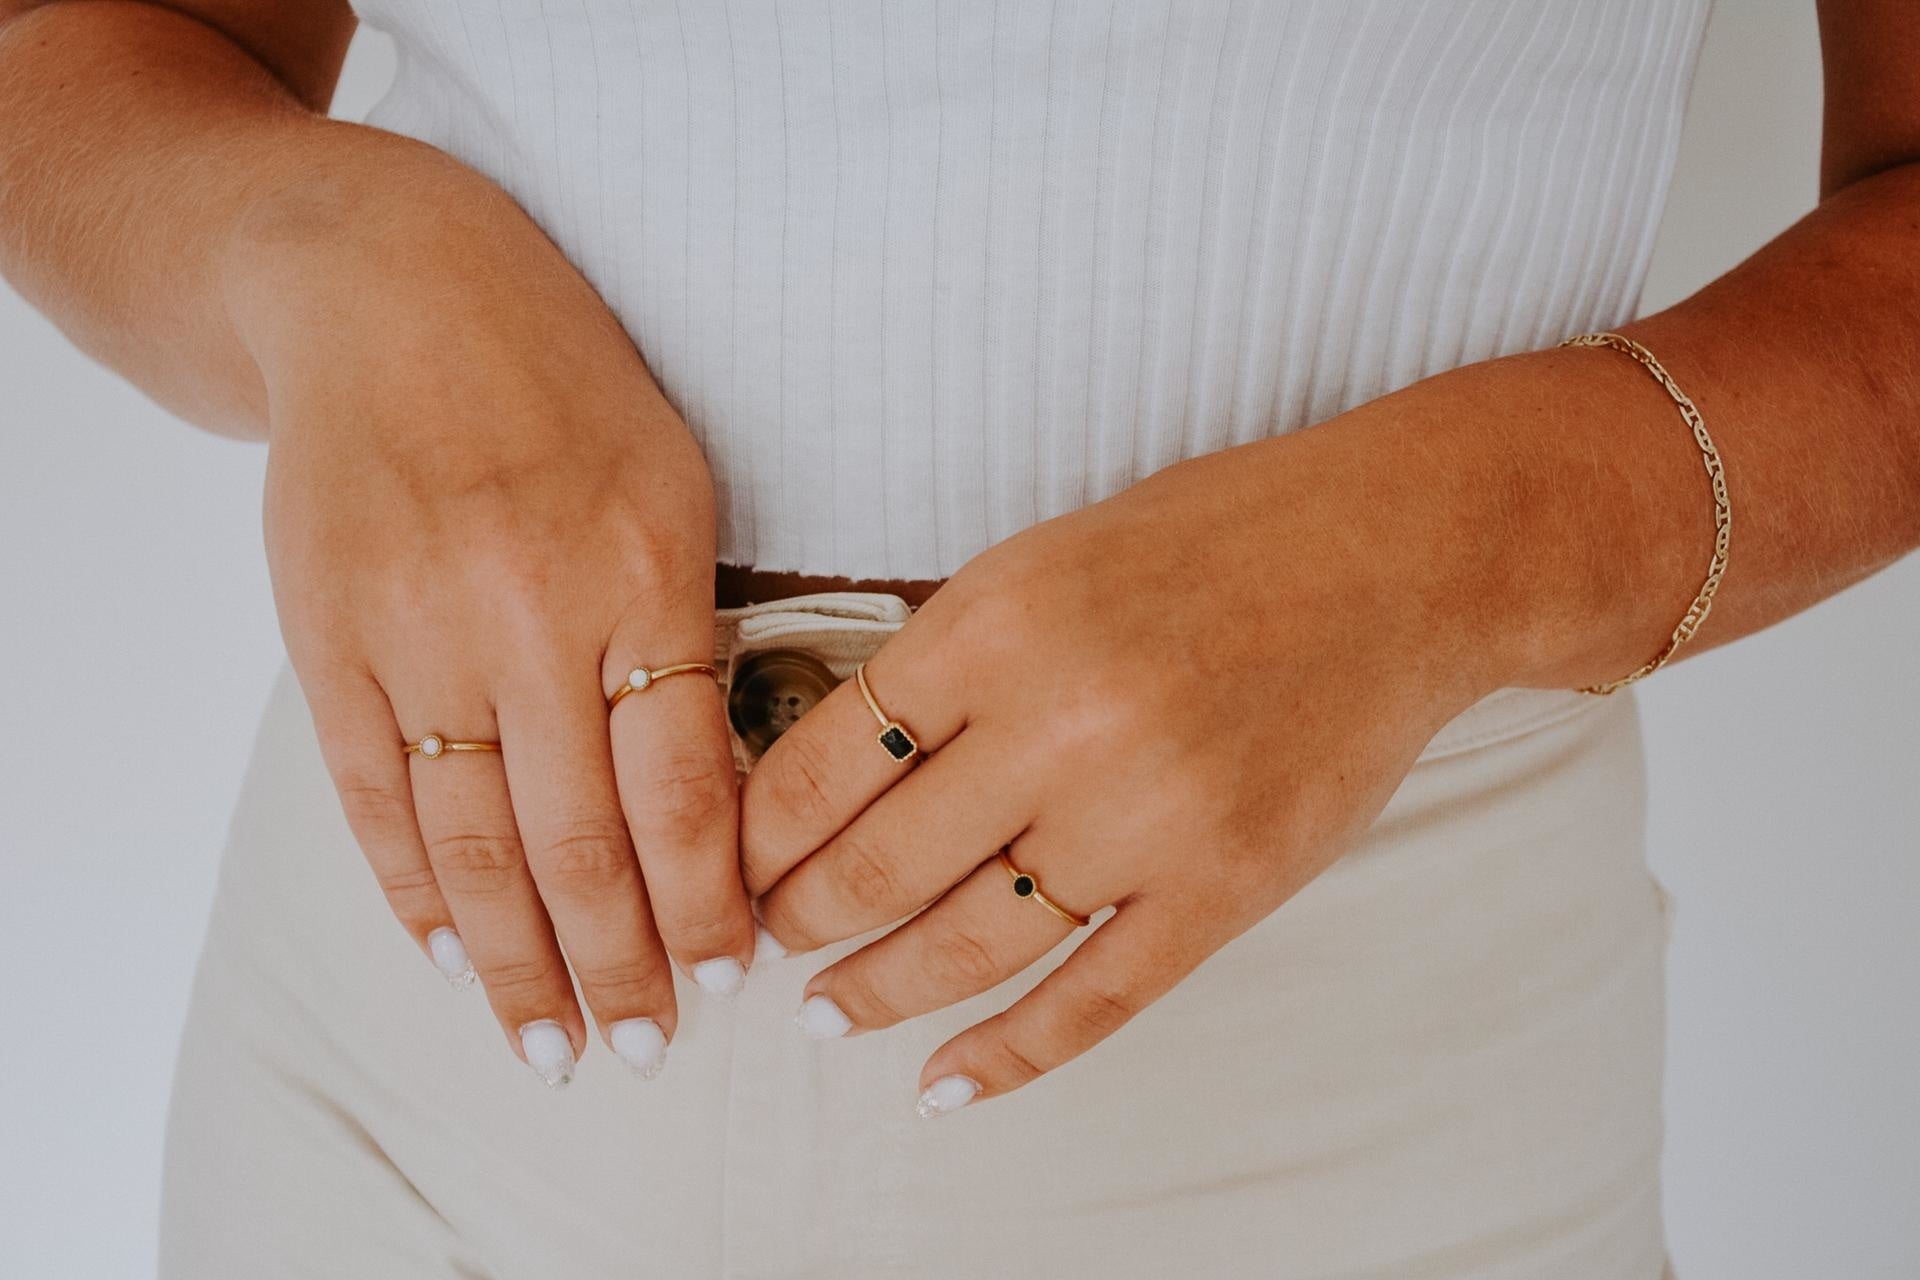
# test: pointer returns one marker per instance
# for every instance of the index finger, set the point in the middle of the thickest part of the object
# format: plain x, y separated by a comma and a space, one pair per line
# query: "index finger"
820, 774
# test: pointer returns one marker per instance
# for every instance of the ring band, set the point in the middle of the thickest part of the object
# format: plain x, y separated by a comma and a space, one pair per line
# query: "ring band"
646, 677
1025, 886
433, 746
893, 735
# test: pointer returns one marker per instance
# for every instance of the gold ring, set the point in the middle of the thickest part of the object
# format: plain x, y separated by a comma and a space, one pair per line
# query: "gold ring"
1025, 886
433, 746
893, 735
646, 677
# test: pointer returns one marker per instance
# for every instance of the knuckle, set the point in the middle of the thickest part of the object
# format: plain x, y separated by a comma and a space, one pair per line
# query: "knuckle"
778, 916
633, 983
1097, 1011
655, 558
994, 622
521, 581
375, 810
863, 1002
1013, 1065
591, 858
476, 865
797, 781
520, 982
414, 896
965, 958
407, 882
702, 928
1093, 721
687, 798
867, 875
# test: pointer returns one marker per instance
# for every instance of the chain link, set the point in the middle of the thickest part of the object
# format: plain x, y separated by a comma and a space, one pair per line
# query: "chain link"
1722, 509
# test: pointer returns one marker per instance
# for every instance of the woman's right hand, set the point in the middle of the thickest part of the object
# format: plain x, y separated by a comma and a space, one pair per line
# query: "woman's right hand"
480, 515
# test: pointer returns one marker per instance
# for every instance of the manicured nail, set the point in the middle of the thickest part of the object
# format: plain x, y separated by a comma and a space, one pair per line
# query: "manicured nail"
721, 975
450, 957
549, 1051
821, 1019
641, 1044
766, 946
948, 1093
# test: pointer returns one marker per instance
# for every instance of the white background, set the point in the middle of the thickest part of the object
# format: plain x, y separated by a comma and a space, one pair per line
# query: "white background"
137, 641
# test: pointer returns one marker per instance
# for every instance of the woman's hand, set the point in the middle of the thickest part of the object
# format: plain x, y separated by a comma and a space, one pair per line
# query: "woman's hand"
480, 515
1184, 702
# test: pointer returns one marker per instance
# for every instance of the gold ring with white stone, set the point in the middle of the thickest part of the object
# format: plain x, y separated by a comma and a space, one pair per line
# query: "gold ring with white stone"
646, 677
433, 746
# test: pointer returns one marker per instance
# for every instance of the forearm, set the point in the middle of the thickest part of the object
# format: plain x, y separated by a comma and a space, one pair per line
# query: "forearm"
150, 168
1585, 511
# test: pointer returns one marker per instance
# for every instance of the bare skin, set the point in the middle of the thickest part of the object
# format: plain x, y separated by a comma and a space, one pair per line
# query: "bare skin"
1538, 520
480, 511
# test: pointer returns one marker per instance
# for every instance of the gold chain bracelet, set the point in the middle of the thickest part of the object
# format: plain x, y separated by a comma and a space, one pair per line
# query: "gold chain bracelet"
1722, 509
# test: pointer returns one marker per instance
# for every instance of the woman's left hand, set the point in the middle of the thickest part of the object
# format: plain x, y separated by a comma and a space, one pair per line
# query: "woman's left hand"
1184, 702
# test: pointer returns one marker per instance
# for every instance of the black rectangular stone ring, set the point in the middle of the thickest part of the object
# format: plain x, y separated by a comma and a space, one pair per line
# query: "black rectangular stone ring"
893, 735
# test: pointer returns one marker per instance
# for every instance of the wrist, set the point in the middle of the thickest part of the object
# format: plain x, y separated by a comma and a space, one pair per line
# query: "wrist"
381, 248
1571, 521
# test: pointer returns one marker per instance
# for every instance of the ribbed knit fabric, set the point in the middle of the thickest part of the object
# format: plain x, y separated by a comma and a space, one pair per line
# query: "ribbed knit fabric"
920, 273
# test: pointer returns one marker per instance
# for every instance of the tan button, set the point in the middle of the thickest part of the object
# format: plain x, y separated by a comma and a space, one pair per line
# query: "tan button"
771, 690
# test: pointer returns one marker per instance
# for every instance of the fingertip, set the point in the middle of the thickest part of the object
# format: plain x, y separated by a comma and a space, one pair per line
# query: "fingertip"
946, 1094
449, 956
722, 976
551, 1049
640, 1043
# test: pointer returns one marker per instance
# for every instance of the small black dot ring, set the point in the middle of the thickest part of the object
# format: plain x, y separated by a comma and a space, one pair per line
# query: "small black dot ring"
1025, 886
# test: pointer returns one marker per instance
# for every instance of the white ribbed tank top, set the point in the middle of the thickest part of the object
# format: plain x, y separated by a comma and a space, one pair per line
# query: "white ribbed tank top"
920, 273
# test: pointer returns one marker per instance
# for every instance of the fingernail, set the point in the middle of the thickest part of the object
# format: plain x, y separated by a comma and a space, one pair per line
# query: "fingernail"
766, 946
948, 1093
450, 957
549, 1051
821, 1019
721, 975
641, 1044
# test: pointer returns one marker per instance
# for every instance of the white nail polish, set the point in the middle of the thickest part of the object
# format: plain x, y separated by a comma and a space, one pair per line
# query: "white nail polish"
641, 1044
721, 975
947, 1094
549, 1051
450, 957
821, 1019
766, 946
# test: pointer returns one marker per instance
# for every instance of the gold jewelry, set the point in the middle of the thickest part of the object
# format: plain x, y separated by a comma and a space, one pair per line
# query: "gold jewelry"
433, 746
893, 735
1025, 886
1722, 508
646, 677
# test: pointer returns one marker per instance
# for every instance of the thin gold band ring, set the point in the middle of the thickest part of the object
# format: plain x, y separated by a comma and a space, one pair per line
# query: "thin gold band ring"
1025, 886
893, 736
646, 677
433, 746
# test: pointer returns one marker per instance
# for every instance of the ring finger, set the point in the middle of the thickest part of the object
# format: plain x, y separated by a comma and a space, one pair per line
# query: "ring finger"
979, 934
473, 843
913, 843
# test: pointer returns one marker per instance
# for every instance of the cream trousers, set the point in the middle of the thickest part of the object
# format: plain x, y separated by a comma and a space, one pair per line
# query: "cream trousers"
1442, 1059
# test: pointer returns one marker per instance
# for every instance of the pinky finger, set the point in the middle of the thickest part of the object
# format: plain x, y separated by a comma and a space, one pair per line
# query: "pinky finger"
1124, 965
361, 743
